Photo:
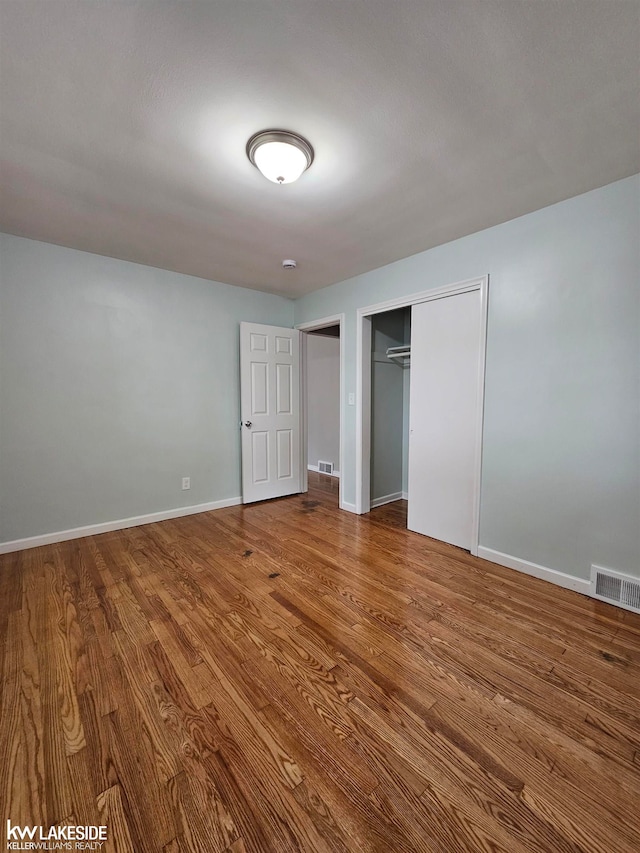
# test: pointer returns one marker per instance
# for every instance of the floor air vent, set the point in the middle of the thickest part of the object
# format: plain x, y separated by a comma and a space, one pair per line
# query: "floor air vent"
616, 588
325, 467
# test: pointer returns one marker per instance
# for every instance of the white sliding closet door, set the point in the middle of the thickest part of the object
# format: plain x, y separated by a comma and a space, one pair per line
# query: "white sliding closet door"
446, 400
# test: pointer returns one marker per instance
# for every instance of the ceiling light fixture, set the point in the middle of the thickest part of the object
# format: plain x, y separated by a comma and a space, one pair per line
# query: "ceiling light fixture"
280, 155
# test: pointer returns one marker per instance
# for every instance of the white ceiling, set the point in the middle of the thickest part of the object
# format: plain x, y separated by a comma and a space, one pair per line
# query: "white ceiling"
124, 125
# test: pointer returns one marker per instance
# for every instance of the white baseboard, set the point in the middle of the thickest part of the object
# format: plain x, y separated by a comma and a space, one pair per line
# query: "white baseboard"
349, 507
386, 499
315, 468
405, 496
108, 526
542, 572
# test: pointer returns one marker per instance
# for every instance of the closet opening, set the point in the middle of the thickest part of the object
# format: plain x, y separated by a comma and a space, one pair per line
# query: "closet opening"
390, 364
419, 408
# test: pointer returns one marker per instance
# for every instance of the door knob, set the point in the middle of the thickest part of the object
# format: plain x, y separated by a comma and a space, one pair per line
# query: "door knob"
247, 423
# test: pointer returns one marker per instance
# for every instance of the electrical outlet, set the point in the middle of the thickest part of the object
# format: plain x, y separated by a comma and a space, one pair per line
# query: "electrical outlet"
352, 399
186, 483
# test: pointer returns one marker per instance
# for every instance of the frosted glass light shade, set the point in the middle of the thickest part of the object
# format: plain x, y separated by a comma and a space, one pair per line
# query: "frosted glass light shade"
281, 156
280, 162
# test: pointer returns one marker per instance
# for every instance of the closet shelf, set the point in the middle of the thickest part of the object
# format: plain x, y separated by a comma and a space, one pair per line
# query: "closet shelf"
399, 352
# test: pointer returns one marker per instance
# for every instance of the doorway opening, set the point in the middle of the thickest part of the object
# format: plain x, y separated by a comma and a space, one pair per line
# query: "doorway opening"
322, 348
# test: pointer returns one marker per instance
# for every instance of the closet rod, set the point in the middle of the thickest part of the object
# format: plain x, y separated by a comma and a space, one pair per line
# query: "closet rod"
398, 352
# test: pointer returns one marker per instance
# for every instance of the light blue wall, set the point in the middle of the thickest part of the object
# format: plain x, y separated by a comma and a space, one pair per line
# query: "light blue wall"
561, 460
116, 380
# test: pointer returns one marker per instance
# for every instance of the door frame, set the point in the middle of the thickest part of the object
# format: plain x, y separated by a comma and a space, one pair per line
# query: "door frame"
313, 326
363, 388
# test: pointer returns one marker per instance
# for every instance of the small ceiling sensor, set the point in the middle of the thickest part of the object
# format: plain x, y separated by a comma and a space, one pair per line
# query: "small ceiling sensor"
289, 264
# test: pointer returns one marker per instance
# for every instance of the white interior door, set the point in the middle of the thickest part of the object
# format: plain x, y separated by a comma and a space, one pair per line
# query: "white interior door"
270, 410
446, 400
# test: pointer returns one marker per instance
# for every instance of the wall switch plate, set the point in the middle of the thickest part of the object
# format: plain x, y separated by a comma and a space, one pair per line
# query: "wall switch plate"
352, 399
186, 483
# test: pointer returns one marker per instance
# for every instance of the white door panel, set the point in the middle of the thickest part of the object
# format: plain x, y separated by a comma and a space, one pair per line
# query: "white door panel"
284, 445
446, 358
270, 403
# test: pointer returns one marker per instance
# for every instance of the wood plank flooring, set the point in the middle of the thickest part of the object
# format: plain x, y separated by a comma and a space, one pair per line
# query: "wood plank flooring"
289, 677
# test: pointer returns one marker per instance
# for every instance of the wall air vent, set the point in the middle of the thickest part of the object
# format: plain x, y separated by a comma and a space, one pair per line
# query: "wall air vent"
616, 588
325, 467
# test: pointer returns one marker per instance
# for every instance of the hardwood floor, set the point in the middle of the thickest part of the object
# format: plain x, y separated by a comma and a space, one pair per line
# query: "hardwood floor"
288, 677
